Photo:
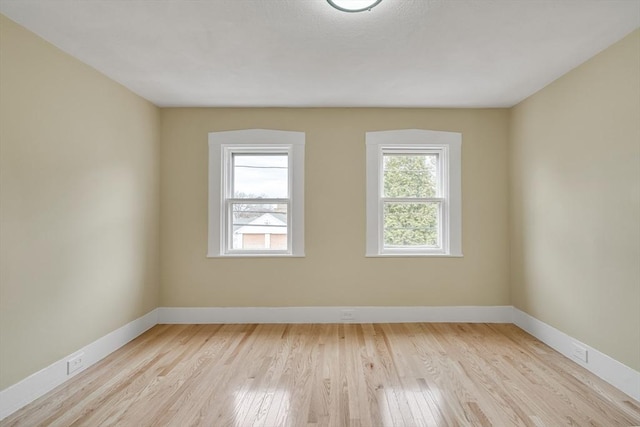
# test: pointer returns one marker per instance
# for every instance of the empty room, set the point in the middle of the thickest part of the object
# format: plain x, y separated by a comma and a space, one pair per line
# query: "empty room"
320, 213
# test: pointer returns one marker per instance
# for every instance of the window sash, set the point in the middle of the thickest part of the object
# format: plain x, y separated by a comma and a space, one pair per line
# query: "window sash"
439, 248
441, 191
228, 235
439, 153
228, 200
234, 153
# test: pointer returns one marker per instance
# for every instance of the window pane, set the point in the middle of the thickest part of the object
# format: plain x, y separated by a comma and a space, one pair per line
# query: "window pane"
260, 176
410, 175
259, 226
411, 224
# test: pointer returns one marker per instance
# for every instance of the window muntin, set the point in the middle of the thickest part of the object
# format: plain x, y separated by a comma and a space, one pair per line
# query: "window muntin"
256, 193
413, 193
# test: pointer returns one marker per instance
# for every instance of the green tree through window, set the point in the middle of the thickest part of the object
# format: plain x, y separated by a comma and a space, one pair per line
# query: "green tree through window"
409, 219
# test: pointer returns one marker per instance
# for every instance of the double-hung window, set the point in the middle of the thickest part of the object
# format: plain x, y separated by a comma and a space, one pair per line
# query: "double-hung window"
413, 193
256, 193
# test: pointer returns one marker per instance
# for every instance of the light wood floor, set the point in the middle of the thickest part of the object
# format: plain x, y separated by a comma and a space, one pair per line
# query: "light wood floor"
337, 375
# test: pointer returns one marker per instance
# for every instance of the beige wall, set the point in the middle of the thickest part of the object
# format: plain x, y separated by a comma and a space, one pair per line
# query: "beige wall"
335, 270
79, 201
575, 203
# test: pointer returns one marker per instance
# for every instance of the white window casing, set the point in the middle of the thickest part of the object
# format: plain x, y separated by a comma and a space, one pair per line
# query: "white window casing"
447, 146
222, 146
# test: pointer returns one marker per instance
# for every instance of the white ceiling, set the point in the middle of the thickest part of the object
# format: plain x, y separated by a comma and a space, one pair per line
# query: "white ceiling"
403, 53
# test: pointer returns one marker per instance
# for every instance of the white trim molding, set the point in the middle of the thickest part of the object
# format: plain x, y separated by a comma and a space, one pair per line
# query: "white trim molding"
222, 146
461, 314
447, 148
38, 384
615, 373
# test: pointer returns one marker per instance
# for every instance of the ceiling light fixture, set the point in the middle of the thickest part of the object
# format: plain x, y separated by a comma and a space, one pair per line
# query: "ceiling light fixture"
354, 5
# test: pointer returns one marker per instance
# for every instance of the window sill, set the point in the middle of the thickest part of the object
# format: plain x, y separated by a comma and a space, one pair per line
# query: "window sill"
414, 256
256, 256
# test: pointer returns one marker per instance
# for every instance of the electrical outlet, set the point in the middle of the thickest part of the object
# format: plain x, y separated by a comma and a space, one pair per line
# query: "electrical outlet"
75, 363
580, 353
347, 314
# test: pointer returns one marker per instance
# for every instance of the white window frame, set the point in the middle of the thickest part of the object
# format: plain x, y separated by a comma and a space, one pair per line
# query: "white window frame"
448, 146
222, 146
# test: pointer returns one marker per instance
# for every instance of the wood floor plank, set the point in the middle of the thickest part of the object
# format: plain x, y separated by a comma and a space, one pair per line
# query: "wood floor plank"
415, 374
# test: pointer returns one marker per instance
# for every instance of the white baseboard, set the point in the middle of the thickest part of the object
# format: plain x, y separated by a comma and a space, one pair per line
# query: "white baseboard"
470, 314
40, 383
36, 385
615, 373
